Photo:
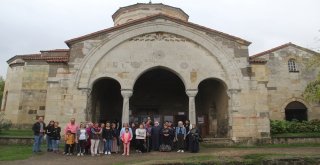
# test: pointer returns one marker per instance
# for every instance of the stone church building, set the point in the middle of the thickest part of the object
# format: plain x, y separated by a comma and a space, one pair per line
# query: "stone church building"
154, 62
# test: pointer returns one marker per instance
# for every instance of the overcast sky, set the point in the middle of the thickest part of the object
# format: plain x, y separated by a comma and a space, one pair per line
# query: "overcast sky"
28, 26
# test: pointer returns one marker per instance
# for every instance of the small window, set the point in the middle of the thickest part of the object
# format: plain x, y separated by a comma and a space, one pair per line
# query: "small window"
292, 66
42, 108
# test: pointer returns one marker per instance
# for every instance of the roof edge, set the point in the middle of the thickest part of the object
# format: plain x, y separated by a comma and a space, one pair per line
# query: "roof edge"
141, 20
281, 47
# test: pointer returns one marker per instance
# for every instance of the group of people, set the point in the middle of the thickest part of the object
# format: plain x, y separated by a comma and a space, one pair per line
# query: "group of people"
106, 138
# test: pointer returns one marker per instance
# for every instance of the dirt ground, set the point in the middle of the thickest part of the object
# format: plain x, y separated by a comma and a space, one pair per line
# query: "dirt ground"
136, 158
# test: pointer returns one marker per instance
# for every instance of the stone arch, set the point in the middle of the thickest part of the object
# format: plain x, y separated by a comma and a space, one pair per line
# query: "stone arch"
301, 100
159, 93
104, 76
296, 111
229, 65
295, 99
212, 105
159, 67
105, 100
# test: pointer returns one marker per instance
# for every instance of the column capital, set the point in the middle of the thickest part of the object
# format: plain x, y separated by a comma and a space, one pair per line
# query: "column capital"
126, 92
191, 92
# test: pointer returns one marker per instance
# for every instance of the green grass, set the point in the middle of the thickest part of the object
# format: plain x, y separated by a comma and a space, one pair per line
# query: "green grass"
310, 134
263, 146
15, 152
17, 132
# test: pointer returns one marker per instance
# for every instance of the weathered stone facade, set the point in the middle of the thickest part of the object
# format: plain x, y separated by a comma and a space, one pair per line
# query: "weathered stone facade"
220, 87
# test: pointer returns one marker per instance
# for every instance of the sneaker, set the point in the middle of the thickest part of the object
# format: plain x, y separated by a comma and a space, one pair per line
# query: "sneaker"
109, 153
182, 151
78, 154
178, 150
68, 154
81, 154
123, 154
71, 154
106, 153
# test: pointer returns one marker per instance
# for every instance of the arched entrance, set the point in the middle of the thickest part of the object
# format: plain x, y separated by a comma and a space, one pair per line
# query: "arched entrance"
106, 100
212, 108
296, 110
160, 94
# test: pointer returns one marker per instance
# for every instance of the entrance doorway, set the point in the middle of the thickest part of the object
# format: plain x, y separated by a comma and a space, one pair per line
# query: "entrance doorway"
106, 101
212, 108
159, 94
296, 111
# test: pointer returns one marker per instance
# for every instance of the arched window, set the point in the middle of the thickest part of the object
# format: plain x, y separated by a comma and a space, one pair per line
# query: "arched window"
296, 110
292, 66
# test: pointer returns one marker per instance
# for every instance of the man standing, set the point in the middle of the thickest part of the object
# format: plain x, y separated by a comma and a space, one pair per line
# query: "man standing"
38, 129
73, 128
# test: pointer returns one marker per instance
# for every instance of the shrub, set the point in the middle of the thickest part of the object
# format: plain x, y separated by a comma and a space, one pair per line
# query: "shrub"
5, 124
294, 126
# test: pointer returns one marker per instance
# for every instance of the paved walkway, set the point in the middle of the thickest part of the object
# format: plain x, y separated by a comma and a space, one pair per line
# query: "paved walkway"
135, 158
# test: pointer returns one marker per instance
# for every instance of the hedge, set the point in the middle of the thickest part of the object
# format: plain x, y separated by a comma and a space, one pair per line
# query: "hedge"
295, 126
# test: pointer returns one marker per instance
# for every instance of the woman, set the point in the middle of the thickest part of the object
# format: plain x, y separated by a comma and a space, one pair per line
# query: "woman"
107, 136
95, 139
82, 137
49, 136
141, 135
56, 137
133, 142
115, 141
180, 136
166, 139
194, 139
101, 142
187, 126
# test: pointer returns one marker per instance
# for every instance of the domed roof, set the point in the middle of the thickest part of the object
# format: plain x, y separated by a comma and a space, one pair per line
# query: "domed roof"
141, 10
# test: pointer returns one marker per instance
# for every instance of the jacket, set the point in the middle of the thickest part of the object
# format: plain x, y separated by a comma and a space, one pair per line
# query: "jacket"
36, 128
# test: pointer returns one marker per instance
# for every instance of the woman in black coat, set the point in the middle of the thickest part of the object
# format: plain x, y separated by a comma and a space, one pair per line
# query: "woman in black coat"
194, 136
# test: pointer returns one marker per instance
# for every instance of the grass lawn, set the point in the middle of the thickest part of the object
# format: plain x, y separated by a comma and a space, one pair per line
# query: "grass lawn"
263, 146
17, 132
15, 152
309, 134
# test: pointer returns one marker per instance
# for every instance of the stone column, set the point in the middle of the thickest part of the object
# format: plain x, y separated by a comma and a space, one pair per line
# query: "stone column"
192, 105
126, 94
233, 104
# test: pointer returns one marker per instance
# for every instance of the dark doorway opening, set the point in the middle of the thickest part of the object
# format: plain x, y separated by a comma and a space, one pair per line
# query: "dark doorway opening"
212, 108
296, 110
159, 94
106, 101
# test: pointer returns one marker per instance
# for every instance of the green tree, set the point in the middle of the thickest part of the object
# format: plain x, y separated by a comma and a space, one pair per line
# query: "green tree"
312, 91
1, 89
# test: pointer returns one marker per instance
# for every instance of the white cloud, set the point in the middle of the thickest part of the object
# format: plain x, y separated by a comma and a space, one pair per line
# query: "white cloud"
33, 25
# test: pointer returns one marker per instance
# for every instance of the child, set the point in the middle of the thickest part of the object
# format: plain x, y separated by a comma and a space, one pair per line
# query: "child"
82, 139
69, 139
126, 137
56, 137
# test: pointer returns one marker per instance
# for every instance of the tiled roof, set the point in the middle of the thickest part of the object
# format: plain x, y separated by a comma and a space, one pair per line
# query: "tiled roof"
281, 47
153, 17
61, 58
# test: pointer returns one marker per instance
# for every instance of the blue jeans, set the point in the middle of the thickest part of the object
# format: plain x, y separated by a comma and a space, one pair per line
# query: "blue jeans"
55, 144
49, 142
107, 145
37, 143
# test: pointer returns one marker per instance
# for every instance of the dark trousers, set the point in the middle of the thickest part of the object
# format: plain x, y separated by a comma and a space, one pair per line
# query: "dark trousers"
70, 148
140, 145
180, 143
81, 148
